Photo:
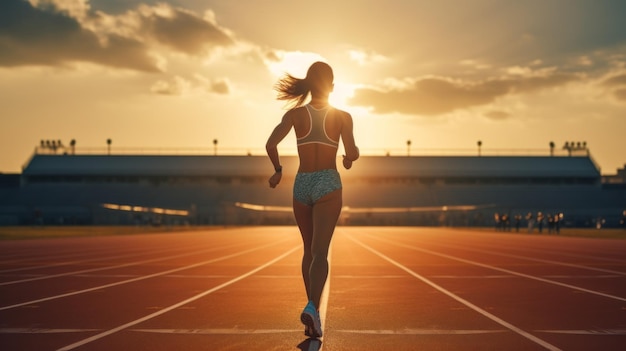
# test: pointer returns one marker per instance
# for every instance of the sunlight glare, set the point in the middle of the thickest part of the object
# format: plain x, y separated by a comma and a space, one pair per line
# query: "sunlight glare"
295, 63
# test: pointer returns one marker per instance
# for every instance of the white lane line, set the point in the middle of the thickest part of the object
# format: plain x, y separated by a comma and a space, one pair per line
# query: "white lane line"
43, 330
219, 331
494, 318
423, 331
559, 263
236, 331
569, 286
138, 278
177, 305
112, 267
586, 332
99, 252
326, 290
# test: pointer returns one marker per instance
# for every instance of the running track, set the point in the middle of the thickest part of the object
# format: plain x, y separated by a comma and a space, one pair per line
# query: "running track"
390, 288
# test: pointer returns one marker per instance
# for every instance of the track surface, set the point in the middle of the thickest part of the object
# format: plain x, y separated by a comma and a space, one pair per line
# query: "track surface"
390, 288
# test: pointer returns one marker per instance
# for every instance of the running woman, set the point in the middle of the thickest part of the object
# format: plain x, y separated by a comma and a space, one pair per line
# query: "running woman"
317, 197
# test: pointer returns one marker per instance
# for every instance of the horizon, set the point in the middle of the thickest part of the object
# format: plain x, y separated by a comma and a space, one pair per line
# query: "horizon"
153, 74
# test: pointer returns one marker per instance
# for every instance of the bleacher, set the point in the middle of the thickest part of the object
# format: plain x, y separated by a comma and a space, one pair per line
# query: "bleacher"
73, 188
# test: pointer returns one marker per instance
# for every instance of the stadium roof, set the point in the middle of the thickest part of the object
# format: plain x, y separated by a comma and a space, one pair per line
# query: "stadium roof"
367, 166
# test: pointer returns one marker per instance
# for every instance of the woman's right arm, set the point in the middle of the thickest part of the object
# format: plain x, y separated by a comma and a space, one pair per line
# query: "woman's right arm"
279, 133
347, 135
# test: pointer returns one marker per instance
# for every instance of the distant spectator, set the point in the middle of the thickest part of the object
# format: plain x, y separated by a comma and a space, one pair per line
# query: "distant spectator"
550, 220
531, 222
540, 222
622, 220
496, 219
518, 220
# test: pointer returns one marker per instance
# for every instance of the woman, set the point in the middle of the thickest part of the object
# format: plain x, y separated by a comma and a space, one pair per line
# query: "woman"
317, 187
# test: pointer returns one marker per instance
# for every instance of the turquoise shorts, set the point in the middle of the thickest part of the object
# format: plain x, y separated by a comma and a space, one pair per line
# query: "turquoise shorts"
309, 187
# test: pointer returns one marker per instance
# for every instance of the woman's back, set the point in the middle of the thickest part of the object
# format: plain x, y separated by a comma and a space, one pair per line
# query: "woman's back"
319, 152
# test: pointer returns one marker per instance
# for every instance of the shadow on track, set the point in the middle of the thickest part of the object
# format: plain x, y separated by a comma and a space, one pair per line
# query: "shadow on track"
310, 345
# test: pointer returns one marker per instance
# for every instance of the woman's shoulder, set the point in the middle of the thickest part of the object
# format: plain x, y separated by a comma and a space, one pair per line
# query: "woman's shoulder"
340, 111
342, 114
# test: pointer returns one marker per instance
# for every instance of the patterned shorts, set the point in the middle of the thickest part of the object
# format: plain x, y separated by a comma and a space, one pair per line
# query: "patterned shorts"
312, 186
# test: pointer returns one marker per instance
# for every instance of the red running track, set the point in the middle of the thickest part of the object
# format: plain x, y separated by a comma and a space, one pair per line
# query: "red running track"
390, 288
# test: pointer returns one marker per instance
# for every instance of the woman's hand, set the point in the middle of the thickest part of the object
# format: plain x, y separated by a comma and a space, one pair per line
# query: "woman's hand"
347, 163
275, 179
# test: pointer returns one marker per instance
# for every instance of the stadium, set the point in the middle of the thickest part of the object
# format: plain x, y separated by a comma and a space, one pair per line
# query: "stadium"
480, 190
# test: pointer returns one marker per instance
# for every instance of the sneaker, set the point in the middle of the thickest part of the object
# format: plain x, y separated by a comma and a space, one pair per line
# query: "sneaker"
311, 319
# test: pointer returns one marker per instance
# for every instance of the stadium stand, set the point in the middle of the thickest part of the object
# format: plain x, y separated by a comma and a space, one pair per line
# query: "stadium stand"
398, 190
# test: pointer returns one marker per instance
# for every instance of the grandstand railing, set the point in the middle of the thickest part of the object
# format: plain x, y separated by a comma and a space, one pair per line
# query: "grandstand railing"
64, 150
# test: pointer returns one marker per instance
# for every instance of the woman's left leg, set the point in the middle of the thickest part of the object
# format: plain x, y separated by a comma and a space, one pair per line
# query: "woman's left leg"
304, 219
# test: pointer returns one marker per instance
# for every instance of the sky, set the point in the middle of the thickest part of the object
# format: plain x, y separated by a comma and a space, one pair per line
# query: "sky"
157, 76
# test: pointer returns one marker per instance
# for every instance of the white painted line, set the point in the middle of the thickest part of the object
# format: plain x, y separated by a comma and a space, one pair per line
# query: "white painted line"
223, 331
472, 276
586, 332
91, 253
43, 331
559, 263
494, 318
345, 276
313, 345
136, 279
111, 267
569, 286
423, 331
179, 304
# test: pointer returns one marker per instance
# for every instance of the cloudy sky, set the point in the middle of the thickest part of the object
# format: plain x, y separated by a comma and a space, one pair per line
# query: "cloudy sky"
178, 74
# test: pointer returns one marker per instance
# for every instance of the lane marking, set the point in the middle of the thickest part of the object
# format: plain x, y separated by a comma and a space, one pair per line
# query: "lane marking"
43, 330
587, 332
113, 267
219, 331
606, 276
494, 318
324, 297
535, 259
100, 287
102, 251
423, 332
236, 331
569, 286
179, 304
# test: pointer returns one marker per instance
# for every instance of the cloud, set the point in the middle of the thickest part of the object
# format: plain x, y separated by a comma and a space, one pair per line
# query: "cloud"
178, 86
620, 94
497, 115
220, 86
33, 36
61, 32
440, 95
182, 30
615, 80
366, 57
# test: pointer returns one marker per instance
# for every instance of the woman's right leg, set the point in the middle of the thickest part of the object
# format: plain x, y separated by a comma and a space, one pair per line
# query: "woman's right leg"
326, 212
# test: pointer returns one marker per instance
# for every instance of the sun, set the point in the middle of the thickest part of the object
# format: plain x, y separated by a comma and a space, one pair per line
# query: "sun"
341, 94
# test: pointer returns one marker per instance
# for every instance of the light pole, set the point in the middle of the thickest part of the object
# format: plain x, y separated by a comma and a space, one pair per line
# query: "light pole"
215, 147
552, 148
408, 147
479, 143
109, 141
